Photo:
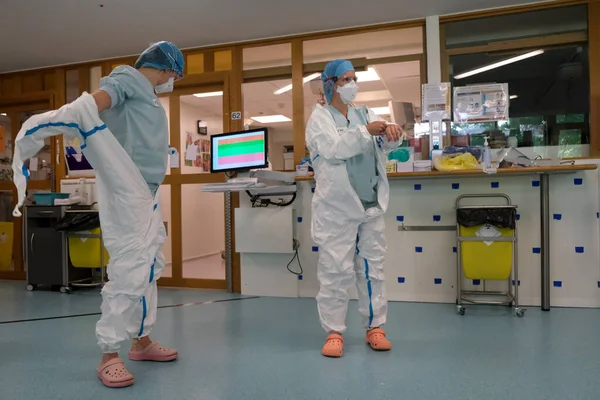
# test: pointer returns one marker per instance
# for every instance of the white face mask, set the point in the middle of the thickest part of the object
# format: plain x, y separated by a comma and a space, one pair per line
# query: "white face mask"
348, 92
165, 87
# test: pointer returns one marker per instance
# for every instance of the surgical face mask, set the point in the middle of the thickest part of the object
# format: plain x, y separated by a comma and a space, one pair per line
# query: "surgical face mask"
348, 92
165, 87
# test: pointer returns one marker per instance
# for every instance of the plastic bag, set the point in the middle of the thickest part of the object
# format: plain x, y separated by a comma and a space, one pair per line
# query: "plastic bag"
77, 222
499, 217
511, 158
455, 150
459, 162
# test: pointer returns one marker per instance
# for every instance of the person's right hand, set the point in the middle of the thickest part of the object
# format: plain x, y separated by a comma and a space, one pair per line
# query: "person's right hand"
377, 128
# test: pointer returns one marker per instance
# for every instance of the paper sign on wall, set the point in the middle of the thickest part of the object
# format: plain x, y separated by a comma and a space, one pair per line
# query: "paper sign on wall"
190, 152
481, 103
33, 164
174, 158
2, 139
436, 101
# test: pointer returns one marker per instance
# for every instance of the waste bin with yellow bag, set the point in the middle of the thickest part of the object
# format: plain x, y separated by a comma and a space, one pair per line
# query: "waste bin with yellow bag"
487, 250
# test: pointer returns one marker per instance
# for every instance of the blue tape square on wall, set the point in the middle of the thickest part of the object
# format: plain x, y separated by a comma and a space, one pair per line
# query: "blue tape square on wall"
418, 186
315, 249
535, 183
400, 218
557, 217
418, 249
578, 181
518, 217
437, 218
455, 186
598, 215
495, 185
455, 249
476, 282
299, 277
557, 283
599, 284
299, 220
401, 279
312, 190
579, 249
537, 250
437, 281
513, 282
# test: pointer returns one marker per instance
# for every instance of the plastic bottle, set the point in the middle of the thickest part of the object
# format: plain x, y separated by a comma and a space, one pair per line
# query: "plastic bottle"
487, 155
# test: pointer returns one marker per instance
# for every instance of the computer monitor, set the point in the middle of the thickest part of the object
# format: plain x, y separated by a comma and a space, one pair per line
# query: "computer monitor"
239, 151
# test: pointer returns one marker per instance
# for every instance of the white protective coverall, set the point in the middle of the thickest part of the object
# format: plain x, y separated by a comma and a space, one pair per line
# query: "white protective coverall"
130, 219
351, 239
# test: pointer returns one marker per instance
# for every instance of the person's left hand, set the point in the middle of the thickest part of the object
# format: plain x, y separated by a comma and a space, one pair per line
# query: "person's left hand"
393, 133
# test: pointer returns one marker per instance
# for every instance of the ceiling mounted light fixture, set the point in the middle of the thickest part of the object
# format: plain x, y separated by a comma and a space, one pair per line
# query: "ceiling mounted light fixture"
370, 75
304, 80
271, 119
208, 94
499, 64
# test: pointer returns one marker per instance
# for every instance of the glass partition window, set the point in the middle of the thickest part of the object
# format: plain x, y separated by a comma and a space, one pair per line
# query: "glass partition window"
269, 105
549, 101
372, 45
201, 116
202, 247
278, 55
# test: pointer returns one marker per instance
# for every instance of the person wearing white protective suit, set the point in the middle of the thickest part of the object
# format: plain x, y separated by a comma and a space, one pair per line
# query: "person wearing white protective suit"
124, 134
348, 147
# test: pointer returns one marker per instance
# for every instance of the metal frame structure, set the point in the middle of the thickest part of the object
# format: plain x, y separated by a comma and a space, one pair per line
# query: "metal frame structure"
511, 296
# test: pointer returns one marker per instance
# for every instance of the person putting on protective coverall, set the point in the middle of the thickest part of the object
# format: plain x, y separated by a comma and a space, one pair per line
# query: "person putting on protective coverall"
348, 147
124, 134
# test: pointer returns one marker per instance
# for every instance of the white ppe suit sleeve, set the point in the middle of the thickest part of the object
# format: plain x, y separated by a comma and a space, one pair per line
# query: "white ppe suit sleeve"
30, 139
323, 138
120, 86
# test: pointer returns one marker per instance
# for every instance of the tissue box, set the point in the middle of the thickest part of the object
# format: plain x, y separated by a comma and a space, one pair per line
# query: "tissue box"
421, 166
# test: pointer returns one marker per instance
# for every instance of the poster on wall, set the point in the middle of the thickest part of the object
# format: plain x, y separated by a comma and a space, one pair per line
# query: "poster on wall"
436, 102
197, 153
481, 103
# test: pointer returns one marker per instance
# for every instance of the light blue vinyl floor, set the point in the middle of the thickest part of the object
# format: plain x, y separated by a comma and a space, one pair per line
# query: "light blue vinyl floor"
269, 348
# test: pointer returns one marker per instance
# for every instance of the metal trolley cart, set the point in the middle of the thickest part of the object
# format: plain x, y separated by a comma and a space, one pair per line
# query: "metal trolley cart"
487, 251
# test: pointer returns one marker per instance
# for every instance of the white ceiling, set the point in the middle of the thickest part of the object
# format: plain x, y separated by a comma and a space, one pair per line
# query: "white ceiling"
39, 33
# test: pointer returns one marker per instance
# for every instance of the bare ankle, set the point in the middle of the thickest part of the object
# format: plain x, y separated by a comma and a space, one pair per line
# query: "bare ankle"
106, 357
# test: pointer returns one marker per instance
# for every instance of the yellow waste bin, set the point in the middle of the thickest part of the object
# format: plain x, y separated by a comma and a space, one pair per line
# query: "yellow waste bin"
6, 245
486, 261
85, 252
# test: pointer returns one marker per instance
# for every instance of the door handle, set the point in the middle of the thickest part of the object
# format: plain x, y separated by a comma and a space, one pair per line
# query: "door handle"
31, 244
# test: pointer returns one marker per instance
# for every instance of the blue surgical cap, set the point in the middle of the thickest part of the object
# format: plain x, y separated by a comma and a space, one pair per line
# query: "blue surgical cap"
332, 70
162, 56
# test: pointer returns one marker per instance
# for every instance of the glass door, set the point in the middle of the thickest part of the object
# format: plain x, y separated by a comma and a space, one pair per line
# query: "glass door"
197, 219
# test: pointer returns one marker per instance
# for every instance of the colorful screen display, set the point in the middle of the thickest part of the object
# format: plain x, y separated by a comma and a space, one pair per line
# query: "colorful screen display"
237, 151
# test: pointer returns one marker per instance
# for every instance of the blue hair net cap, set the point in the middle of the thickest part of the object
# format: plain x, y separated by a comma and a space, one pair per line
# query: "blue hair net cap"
162, 56
332, 70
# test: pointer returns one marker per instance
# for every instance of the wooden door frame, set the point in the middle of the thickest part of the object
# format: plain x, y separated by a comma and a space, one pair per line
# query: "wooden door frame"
208, 82
13, 107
